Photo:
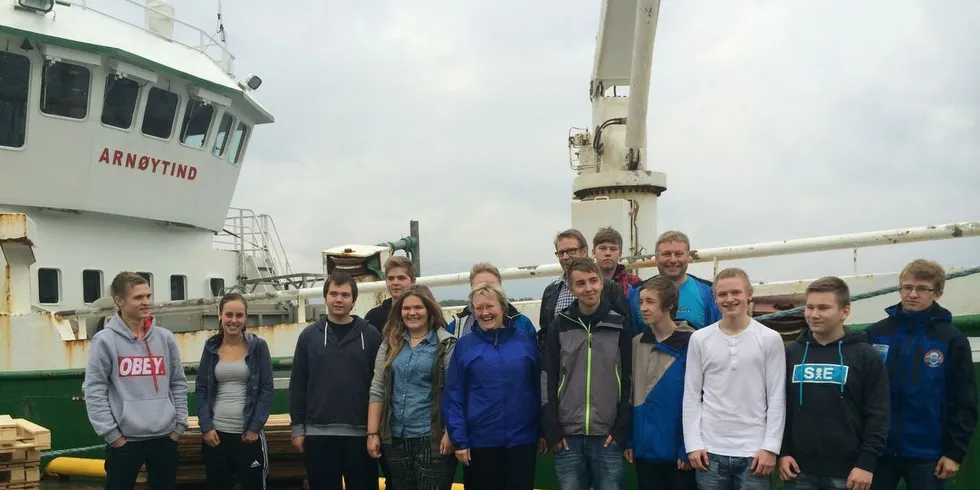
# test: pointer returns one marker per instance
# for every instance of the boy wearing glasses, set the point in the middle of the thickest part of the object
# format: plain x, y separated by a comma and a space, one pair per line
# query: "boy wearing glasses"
932, 387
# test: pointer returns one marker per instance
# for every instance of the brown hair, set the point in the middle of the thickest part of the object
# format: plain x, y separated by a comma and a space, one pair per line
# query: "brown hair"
607, 235
831, 284
672, 236
666, 291
582, 264
399, 261
925, 270
339, 278
124, 282
228, 298
572, 233
484, 267
396, 325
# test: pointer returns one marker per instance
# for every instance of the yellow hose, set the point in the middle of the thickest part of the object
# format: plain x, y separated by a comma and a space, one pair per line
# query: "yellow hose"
87, 467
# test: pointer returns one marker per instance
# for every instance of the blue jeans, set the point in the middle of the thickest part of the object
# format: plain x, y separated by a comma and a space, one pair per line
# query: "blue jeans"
804, 481
587, 464
917, 473
731, 473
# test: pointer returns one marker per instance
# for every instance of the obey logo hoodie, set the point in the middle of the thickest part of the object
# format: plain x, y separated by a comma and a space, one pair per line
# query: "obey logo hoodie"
135, 387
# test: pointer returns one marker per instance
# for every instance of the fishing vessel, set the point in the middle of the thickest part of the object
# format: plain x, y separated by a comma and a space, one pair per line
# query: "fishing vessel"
123, 131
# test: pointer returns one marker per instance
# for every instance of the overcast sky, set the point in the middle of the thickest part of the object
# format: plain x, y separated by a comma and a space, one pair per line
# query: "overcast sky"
772, 120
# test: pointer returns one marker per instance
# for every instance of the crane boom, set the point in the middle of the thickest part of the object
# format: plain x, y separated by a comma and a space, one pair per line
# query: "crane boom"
612, 179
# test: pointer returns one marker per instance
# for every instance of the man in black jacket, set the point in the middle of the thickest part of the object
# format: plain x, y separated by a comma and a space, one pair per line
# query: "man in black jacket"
837, 395
571, 245
399, 274
328, 392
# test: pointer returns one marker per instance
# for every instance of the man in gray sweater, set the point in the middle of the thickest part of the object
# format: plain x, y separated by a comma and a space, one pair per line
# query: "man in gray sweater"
136, 391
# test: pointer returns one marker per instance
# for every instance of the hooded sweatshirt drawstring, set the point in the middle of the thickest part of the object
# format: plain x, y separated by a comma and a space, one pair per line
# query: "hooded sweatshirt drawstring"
840, 353
806, 350
147, 323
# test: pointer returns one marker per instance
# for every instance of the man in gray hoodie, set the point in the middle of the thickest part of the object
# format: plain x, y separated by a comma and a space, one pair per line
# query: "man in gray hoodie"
136, 391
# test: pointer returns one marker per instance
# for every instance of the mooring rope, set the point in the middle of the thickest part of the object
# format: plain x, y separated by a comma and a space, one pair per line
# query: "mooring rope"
870, 294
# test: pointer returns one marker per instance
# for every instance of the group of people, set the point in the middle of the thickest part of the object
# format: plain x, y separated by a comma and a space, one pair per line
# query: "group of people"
671, 374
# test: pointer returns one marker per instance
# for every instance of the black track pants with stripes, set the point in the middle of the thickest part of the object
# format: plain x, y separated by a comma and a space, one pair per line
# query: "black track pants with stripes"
249, 460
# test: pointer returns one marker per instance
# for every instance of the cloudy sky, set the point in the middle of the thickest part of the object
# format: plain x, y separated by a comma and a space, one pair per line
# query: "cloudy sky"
772, 120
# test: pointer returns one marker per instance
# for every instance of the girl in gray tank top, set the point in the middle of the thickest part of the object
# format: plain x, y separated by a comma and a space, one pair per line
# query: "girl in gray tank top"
233, 441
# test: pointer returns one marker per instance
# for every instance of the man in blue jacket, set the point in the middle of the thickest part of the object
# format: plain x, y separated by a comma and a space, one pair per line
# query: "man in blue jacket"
696, 305
462, 322
932, 385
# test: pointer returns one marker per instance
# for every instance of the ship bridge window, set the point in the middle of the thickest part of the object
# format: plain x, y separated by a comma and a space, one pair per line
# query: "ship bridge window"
64, 90
91, 285
161, 110
178, 288
149, 278
121, 95
48, 286
197, 122
238, 143
221, 139
15, 77
217, 286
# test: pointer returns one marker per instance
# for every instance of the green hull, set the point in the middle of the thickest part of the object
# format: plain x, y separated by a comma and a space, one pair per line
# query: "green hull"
53, 400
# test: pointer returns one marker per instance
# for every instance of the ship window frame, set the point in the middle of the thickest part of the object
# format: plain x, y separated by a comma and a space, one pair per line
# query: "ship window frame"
235, 158
27, 100
182, 136
217, 135
42, 99
183, 287
43, 283
211, 284
149, 279
146, 110
136, 103
99, 286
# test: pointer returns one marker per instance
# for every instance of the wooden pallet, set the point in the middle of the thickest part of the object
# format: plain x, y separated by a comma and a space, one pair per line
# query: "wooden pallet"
21, 486
19, 474
21, 443
17, 432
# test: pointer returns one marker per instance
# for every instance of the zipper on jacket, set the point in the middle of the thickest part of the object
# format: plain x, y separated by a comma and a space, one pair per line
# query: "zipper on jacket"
588, 385
561, 381
619, 382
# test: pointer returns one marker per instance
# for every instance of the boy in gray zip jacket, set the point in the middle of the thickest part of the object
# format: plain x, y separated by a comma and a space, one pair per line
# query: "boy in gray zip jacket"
136, 391
586, 385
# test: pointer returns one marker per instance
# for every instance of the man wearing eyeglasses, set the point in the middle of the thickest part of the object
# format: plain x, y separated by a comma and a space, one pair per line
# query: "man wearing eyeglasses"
933, 391
571, 245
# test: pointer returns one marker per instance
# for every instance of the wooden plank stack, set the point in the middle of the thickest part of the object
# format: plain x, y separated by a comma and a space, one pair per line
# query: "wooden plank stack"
285, 463
21, 443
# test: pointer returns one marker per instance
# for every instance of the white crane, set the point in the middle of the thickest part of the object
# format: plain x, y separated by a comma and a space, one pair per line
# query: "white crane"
611, 158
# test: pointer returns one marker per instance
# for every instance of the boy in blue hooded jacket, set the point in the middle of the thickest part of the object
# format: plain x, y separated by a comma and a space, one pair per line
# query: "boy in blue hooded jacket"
932, 385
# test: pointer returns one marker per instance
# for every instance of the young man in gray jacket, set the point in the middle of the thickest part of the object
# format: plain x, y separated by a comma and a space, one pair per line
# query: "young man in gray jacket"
586, 385
136, 391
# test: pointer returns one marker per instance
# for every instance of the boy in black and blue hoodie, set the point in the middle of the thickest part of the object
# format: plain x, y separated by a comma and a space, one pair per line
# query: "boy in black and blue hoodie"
932, 384
136, 391
837, 398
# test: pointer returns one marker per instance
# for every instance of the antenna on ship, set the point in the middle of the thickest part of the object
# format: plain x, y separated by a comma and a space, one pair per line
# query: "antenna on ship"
221, 27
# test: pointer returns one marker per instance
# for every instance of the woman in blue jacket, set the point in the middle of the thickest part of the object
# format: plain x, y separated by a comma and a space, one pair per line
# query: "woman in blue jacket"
234, 398
491, 401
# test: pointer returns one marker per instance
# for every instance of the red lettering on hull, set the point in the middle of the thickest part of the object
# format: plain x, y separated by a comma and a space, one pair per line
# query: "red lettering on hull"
146, 163
141, 366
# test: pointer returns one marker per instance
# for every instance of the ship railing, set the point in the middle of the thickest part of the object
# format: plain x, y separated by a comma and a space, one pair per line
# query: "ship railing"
194, 38
714, 256
254, 235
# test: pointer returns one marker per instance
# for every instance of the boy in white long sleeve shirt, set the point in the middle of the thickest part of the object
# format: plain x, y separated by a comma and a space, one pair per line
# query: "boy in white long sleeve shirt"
734, 393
